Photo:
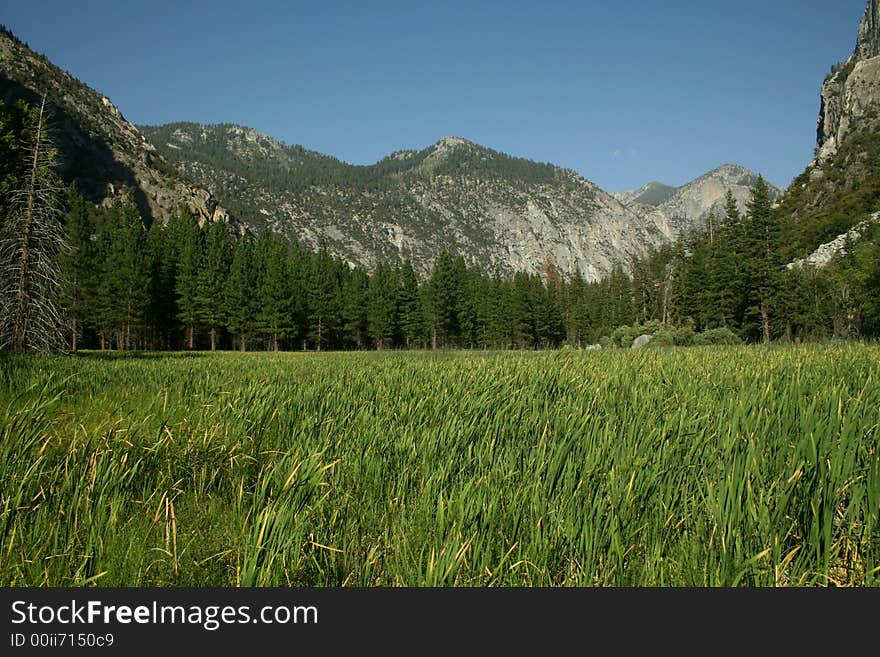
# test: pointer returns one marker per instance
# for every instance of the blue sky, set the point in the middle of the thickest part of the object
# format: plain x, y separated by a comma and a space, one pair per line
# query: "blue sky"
621, 92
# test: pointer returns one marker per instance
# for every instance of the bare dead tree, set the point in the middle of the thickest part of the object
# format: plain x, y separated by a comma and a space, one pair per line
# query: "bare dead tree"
32, 239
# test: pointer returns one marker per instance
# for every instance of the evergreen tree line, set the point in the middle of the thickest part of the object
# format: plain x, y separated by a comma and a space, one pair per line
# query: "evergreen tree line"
185, 286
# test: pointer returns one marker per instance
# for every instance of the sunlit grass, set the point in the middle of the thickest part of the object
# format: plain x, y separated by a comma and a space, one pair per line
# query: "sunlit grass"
707, 466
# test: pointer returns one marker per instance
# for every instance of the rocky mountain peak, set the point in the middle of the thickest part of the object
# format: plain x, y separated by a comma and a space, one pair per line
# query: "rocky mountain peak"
248, 143
445, 148
869, 33
851, 93
452, 142
402, 155
731, 175
730, 170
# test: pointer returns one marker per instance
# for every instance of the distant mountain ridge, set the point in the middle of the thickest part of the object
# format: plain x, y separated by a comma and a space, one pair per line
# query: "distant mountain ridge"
654, 193
680, 208
502, 213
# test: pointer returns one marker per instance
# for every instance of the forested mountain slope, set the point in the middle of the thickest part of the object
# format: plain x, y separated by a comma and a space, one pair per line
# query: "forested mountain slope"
501, 213
99, 150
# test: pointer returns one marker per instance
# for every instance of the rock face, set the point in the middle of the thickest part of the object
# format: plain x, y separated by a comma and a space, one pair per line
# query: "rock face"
839, 188
869, 32
823, 255
501, 213
99, 149
679, 208
851, 94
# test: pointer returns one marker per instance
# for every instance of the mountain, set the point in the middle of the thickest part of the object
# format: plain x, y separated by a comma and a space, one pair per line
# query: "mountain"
502, 213
654, 193
680, 208
99, 149
841, 186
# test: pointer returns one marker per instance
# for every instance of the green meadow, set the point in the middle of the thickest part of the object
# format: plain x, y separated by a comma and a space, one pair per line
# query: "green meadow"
711, 466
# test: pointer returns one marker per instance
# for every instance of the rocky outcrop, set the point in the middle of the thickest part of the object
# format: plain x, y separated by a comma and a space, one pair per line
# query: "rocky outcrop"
851, 94
100, 151
826, 252
869, 32
840, 187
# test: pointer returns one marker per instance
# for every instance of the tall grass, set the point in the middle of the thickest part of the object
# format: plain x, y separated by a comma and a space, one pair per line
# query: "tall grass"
698, 467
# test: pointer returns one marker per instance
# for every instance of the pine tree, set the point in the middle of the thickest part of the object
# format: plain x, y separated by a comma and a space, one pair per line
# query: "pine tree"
125, 275
620, 297
30, 242
412, 312
729, 277
190, 254
239, 303
466, 290
162, 312
576, 318
382, 313
441, 301
762, 235
355, 296
211, 280
15, 122
323, 295
78, 265
520, 311
549, 327
275, 317
299, 276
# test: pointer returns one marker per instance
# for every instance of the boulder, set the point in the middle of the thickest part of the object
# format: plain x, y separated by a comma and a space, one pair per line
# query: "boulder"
641, 341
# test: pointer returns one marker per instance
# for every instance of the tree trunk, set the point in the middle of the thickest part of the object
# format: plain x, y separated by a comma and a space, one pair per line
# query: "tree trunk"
73, 336
213, 339
19, 333
241, 344
189, 337
765, 323
434, 337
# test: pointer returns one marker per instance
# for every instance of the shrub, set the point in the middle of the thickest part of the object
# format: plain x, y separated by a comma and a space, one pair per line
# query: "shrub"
717, 336
672, 336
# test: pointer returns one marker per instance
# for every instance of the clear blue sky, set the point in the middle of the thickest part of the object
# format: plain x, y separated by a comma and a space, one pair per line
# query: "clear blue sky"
622, 92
